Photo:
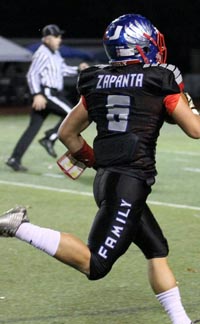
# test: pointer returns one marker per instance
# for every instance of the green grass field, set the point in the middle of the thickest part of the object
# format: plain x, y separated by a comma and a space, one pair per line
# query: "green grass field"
36, 289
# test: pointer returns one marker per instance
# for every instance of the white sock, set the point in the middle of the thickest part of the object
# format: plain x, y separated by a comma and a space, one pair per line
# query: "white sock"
41, 238
171, 302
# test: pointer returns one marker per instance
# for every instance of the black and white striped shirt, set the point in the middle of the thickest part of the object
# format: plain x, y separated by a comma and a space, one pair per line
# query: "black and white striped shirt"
47, 70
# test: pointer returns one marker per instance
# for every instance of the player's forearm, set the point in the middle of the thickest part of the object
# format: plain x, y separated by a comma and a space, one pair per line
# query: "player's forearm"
72, 142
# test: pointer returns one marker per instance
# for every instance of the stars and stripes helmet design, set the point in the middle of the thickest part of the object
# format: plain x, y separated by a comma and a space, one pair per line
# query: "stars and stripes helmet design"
132, 37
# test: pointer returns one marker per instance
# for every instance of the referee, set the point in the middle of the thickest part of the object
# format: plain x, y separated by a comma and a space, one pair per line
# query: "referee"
45, 79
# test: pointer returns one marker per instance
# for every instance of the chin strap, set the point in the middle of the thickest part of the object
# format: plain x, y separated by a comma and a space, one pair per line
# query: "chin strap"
140, 50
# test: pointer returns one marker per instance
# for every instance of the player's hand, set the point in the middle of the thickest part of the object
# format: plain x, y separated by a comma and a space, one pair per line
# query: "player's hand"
83, 66
39, 102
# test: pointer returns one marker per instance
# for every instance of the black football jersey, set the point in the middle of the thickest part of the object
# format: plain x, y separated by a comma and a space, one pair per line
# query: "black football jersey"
126, 103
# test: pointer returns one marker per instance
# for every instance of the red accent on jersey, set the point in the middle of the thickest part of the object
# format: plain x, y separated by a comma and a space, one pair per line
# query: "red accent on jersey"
181, 86
171, 101
84, 102
85, 155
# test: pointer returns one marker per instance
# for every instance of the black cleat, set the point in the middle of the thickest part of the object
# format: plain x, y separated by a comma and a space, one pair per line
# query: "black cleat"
197, 321
48, 145
15, 165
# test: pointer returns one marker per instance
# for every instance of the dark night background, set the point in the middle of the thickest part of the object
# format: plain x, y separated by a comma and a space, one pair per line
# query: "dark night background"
88, 19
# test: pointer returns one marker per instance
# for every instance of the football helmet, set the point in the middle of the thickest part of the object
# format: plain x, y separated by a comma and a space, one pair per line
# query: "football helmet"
132, 37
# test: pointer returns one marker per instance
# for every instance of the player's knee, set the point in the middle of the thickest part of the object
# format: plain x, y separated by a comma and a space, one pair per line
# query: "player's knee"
98, 268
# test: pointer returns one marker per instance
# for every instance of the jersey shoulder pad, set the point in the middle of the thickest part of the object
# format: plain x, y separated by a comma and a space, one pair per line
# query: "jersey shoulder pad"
168, 67
175, 70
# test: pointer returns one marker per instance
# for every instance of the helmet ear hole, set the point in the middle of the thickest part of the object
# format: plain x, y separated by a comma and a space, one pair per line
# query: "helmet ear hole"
146, 50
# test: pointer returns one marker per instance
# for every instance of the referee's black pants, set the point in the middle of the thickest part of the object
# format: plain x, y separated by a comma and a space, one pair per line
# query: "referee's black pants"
58, 105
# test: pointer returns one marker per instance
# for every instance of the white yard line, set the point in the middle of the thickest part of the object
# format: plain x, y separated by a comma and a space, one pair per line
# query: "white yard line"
189, 153
191, 169
159, 203
85, 193
32, 186
53, 175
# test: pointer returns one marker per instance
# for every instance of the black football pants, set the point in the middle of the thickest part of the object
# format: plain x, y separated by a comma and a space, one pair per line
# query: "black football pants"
123, 218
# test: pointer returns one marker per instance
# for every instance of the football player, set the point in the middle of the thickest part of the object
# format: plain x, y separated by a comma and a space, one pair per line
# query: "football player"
128, 100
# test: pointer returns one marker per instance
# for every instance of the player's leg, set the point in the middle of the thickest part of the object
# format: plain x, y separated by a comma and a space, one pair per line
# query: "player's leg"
110, 236
164, 284
153, 244
157, 268
120, 199
73, 252
63, 246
